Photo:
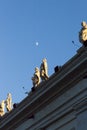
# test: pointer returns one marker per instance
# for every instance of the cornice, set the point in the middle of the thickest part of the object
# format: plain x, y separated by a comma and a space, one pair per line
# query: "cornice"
81, 105
71, 73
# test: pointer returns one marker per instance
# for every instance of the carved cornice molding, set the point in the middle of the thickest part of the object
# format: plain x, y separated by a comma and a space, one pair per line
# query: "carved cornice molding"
70, 74
80, 105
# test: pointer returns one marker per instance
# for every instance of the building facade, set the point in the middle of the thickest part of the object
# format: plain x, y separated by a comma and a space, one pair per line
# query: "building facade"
60, 103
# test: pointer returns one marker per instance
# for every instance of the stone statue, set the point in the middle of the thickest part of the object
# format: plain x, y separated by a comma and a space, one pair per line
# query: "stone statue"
9, 102
83, 33
44, 70
36, 77
2, 107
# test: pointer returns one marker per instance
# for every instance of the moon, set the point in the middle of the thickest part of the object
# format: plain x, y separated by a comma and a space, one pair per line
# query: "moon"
37, 43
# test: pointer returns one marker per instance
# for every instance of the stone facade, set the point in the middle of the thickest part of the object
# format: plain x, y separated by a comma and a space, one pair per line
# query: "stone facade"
60, 103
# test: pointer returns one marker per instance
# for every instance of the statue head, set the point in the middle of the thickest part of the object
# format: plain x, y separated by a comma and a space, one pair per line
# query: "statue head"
84, 24
44, 60
36, 69
9, 94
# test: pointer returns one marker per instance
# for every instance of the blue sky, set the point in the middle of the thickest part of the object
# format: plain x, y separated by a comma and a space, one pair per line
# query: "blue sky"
54, 24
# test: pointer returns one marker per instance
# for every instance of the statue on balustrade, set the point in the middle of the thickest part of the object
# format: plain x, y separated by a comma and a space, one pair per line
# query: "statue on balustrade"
83, 34
2, 107
44, 70
36, 77
9, 102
